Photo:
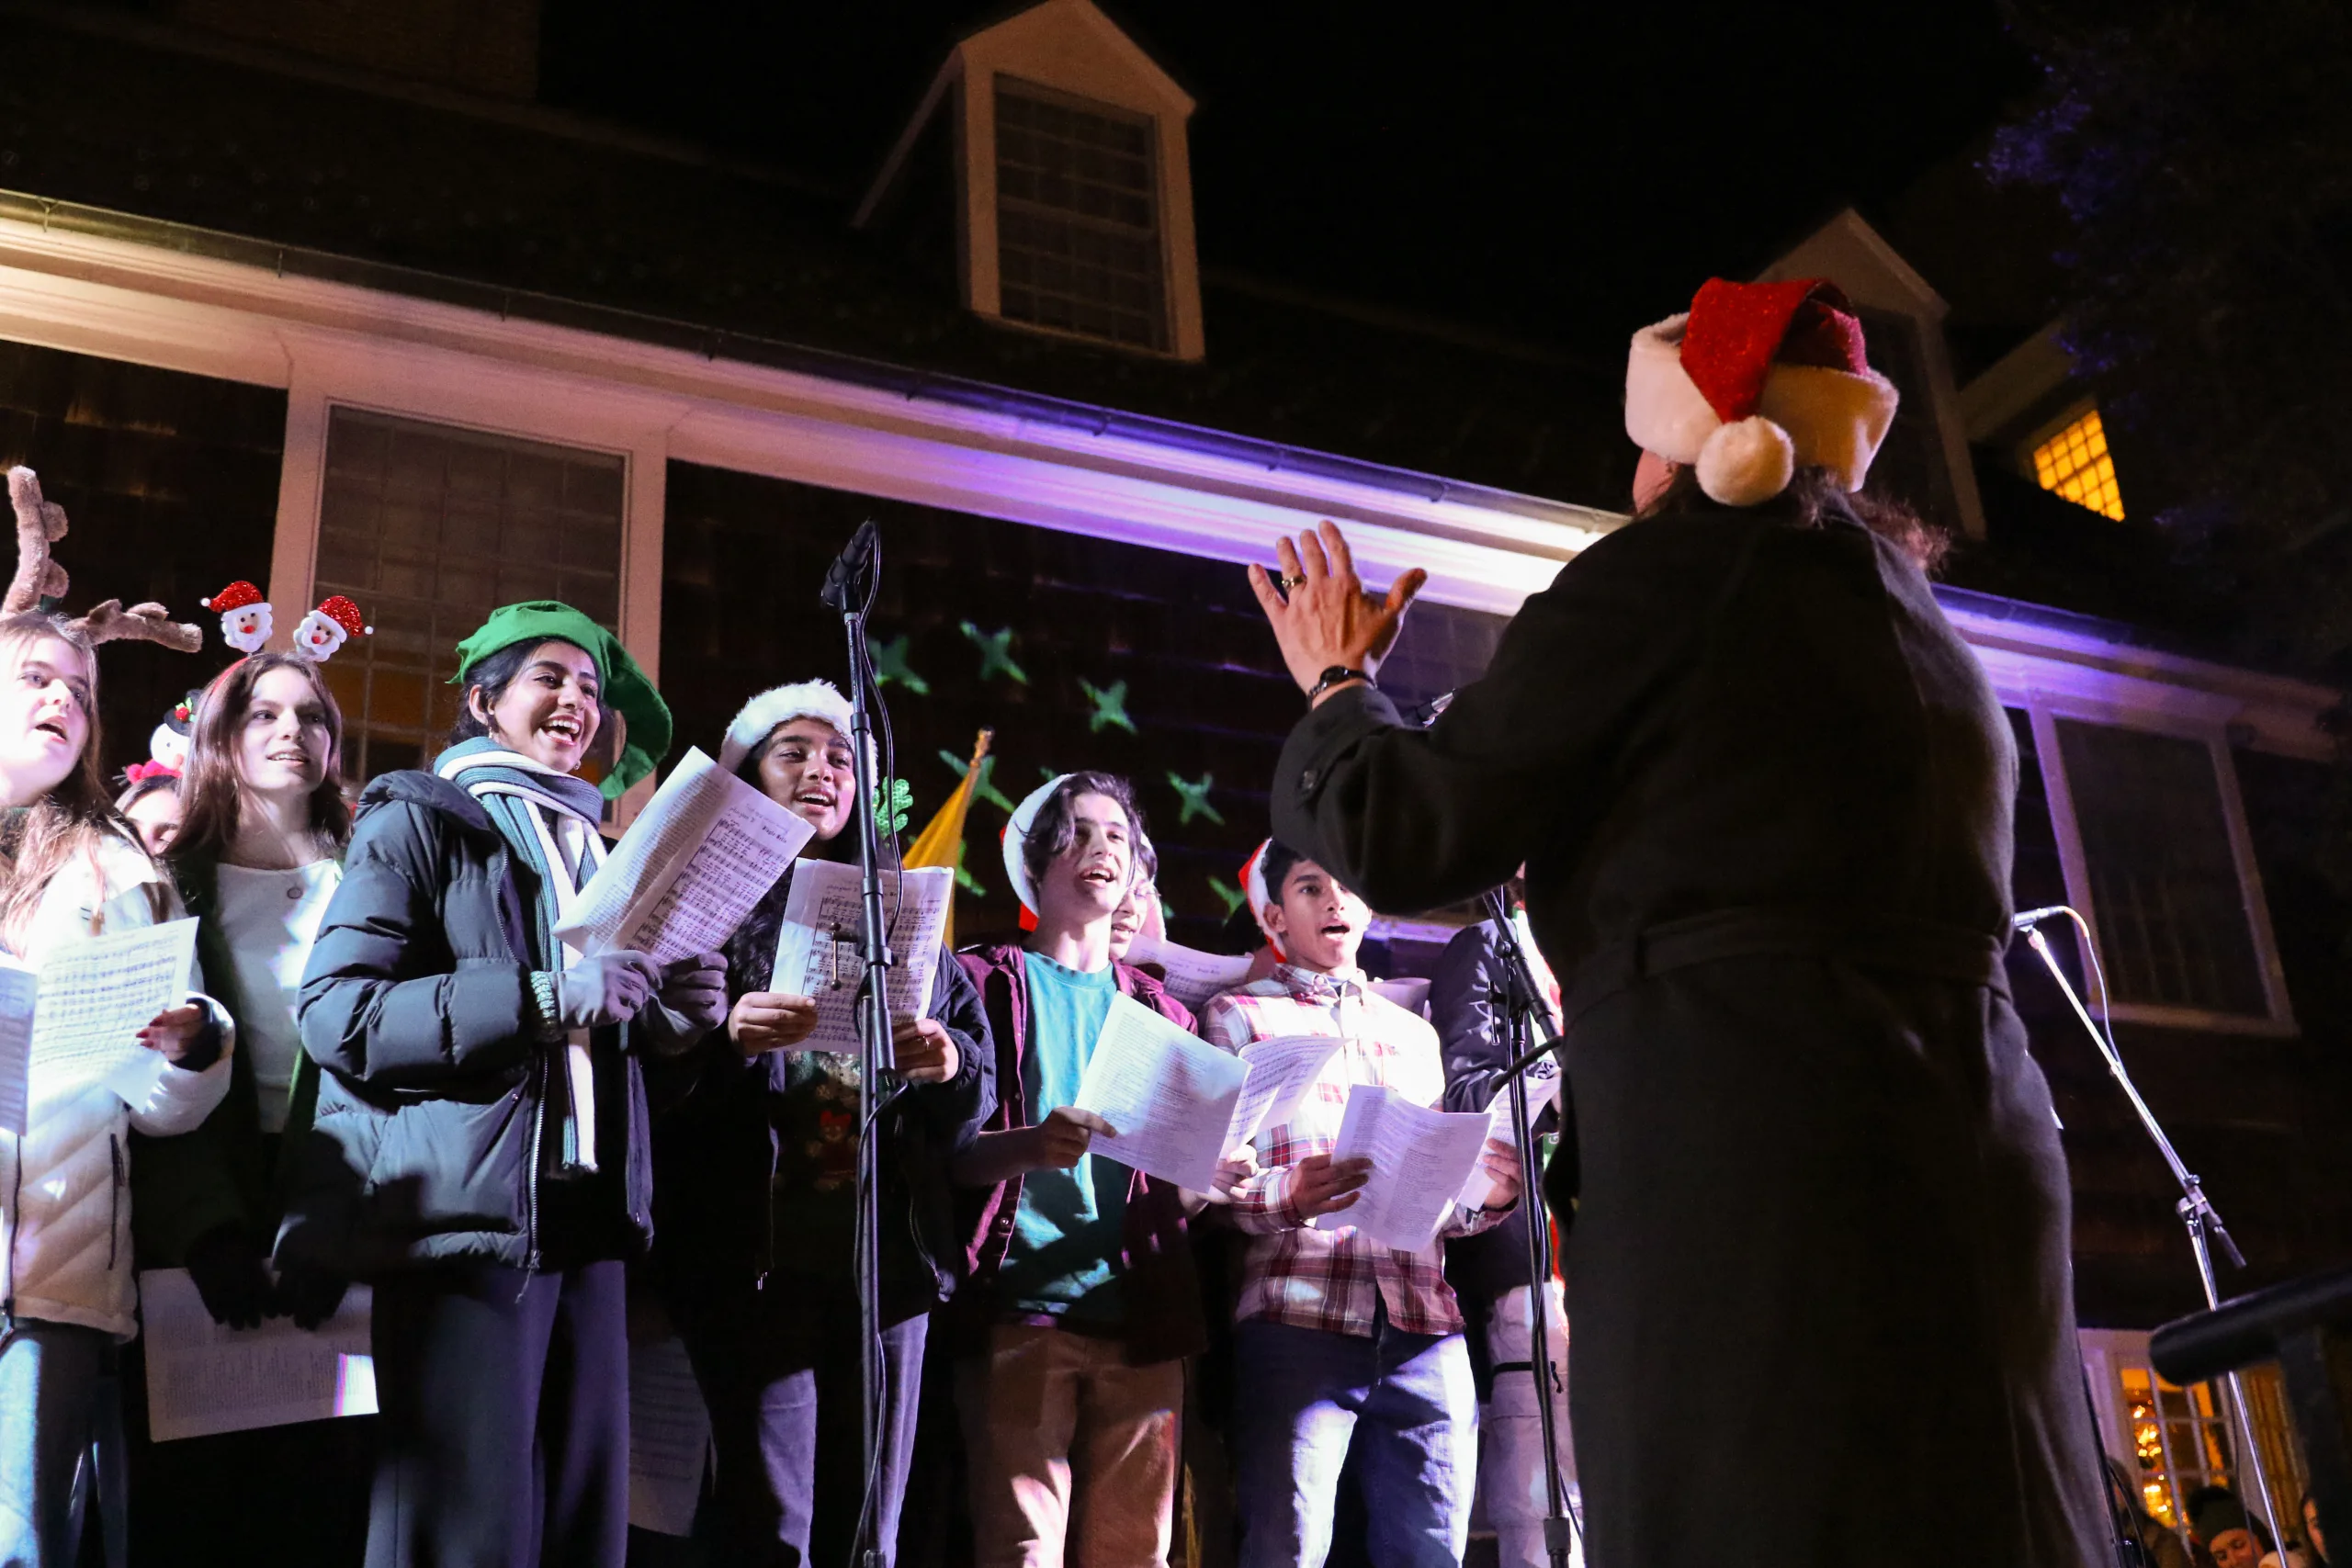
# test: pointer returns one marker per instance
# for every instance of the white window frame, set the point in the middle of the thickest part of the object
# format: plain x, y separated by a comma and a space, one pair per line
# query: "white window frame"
2107, 1353
465, 393
1070, 48
2189, 715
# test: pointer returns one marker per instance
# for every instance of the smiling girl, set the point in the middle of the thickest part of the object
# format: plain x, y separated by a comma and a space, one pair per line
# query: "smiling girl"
258, 857
756, 1194
72, 869
480, 1151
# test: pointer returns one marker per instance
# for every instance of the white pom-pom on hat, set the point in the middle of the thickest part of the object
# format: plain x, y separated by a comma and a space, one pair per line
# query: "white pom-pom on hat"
1747, 462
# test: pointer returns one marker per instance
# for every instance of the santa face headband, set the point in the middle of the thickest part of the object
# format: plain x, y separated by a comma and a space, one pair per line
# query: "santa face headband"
1754, 381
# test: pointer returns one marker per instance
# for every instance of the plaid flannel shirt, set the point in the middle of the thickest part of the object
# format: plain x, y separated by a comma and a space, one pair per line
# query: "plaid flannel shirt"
1330, 1279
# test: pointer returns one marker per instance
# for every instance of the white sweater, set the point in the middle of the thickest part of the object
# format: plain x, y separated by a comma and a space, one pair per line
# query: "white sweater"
65, 1189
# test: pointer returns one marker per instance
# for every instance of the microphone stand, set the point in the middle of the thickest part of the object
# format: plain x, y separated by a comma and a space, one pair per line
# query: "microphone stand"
2196, 1210
849, 589
1525, 1016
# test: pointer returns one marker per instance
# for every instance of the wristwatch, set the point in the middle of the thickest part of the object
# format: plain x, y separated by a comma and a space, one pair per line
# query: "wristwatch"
1337, 675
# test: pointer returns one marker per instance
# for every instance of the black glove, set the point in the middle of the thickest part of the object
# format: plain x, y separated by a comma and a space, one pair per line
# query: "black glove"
694, 989
231, 1277
309, 1294
610, 987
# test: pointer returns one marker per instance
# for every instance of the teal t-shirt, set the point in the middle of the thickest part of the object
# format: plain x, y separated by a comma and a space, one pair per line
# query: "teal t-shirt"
1066, 1234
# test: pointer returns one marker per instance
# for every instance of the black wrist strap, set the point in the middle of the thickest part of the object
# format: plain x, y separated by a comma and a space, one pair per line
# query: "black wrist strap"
1336, 675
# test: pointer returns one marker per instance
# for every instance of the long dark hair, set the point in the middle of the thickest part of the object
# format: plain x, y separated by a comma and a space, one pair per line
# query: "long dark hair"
212, 797
75, 814
1811, 495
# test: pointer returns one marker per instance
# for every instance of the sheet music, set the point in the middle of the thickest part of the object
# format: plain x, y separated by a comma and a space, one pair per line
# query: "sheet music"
1542, 1081
19, 988
1420, 1159
1282, 1068
816, 947
669, 1438
93, 998
1193, 977
202, 1377
706, 848
1170, 1093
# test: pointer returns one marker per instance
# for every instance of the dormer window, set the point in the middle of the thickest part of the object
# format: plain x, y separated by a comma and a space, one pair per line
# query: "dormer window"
1078, 217
2074, 461
1074, 195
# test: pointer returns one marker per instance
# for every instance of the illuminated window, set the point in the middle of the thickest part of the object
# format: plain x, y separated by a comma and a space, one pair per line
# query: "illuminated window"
429, 527
2076, 464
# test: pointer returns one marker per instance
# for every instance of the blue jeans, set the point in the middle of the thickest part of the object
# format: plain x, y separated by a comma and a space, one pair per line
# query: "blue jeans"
1406, 1404
48, 1379
780, 1374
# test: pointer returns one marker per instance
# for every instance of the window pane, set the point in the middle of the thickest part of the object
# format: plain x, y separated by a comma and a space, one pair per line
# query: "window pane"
2076, 464
2171, 911
1078, 217
429, 528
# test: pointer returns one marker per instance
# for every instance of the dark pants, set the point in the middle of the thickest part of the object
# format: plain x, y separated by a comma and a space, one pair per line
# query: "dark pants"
779, 1370
504, 1437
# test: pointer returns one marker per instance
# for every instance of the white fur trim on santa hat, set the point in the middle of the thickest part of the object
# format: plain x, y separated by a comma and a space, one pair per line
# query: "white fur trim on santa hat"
1832, 419
1016, 837
758, 718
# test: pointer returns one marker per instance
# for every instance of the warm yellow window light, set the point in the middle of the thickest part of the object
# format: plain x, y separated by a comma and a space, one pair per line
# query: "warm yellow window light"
2076, 464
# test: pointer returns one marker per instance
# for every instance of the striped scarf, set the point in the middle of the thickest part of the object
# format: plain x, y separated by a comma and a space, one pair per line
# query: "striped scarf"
533, 809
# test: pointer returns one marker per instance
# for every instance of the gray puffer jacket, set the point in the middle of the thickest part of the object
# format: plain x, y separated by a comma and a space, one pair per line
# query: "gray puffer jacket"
433, 1138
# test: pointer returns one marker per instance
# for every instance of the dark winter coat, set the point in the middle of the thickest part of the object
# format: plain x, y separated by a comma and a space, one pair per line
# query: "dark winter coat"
1161, 1289
431, 1139
221, 1174
716, 1154
1763, 791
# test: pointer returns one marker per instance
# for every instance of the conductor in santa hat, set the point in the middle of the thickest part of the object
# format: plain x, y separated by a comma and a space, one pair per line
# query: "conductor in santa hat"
1763, 793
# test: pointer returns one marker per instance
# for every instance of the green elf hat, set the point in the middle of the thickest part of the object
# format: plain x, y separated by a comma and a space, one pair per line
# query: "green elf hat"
626, 690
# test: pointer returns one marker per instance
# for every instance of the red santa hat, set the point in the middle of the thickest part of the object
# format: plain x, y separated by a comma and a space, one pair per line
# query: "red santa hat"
1254, 888
1755, 380
238, 596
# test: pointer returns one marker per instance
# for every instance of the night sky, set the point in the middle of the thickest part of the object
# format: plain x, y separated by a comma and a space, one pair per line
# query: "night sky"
1538, 170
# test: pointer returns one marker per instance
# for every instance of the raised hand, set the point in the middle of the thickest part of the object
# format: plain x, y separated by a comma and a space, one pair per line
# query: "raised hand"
1328, 620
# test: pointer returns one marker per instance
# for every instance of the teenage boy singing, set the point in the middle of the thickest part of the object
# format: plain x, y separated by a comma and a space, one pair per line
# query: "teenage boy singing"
1340, 1342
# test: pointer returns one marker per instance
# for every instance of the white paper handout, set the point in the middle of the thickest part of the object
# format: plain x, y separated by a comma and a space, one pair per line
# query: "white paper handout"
203, 1378
1193, 977
669, 1438
1542, 1081
1282, 1068
816, 947
706, 848
1420, 1159
1170, 1093
80, 1024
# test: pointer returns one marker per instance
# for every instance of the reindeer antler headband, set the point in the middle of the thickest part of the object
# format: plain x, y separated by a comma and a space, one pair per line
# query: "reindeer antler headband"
40, 523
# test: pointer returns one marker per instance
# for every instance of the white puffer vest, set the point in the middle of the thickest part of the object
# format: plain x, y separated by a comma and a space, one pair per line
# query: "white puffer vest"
65, 1188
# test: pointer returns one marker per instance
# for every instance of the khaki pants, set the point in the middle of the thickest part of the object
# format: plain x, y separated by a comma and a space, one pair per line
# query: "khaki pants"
1072, 1452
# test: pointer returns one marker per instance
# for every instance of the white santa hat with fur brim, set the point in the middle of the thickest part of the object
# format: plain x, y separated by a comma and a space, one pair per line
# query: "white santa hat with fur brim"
758, 718
1755, 381
1016, 842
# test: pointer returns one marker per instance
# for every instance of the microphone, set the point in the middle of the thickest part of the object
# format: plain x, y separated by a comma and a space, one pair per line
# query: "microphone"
2025, 918
851, 566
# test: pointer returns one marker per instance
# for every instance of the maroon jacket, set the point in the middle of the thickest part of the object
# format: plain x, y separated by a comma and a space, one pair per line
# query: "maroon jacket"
1162, 1294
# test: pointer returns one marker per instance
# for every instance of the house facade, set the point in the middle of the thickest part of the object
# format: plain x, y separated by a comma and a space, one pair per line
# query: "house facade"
439, 350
